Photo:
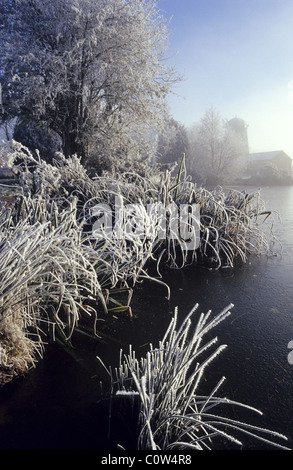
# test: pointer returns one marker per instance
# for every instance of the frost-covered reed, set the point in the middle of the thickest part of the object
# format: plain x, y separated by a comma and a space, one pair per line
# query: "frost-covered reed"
46, 275
231, 222
53, 269
233, 226
165, 383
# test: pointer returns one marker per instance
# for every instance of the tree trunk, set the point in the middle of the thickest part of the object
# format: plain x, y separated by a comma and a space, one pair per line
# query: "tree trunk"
73, 138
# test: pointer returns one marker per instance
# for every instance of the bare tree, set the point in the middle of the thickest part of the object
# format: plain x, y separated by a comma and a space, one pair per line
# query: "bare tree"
217, 150
90, 71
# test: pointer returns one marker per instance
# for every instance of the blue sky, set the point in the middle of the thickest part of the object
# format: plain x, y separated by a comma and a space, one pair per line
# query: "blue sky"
235, 55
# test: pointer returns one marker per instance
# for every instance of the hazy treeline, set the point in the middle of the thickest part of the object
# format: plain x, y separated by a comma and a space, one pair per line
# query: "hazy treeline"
216, 149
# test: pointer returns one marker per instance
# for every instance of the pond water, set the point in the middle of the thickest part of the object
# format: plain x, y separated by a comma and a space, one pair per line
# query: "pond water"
57, 405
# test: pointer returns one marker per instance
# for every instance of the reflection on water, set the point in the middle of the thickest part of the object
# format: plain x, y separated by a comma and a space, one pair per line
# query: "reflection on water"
56, 406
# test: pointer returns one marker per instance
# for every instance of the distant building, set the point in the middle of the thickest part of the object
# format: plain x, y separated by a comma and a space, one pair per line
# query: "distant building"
277, 160
239, 126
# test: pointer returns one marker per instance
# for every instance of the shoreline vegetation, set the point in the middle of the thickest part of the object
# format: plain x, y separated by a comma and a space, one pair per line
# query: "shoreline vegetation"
55, 275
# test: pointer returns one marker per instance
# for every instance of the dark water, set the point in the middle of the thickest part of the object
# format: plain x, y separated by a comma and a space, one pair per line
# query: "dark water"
56, 406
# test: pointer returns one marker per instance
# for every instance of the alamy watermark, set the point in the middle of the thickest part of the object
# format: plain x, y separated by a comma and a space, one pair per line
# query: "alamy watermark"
151, 222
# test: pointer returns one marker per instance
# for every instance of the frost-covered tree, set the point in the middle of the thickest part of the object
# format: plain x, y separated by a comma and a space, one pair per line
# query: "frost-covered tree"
37, 137
91, 71
217, 151
172, 142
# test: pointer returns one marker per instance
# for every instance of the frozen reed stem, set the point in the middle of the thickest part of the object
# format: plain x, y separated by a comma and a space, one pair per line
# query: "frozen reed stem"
172, 415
